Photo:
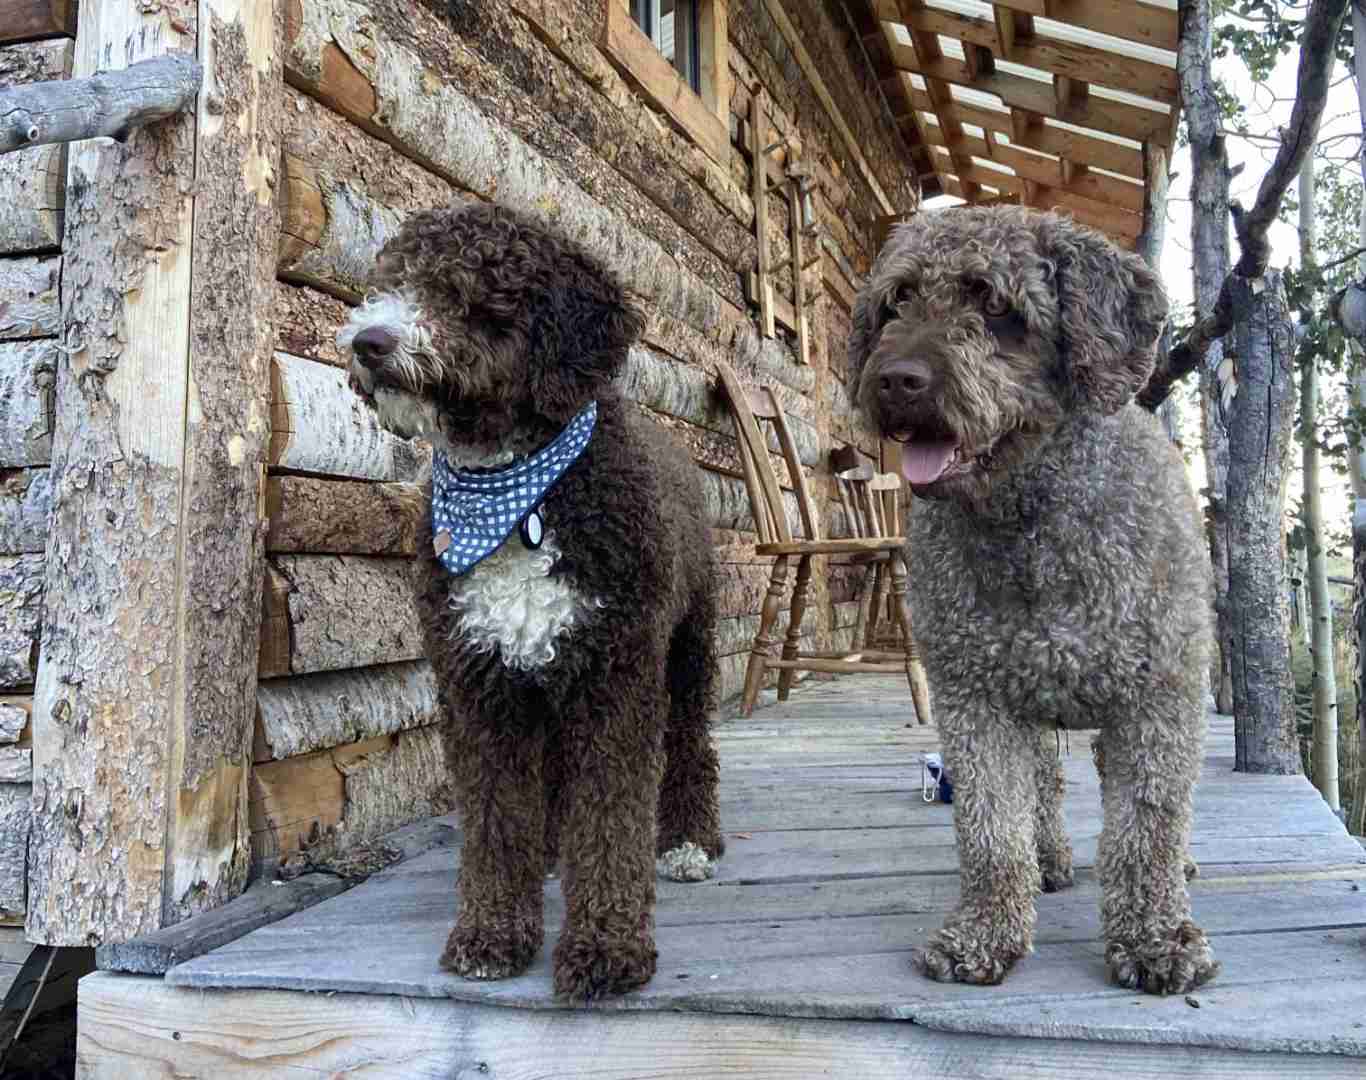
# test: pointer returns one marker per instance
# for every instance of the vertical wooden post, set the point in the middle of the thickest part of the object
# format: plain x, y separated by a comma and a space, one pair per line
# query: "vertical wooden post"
758, 141
146, 682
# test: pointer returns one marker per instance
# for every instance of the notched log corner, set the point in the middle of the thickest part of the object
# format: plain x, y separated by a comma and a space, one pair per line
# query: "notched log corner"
108, 104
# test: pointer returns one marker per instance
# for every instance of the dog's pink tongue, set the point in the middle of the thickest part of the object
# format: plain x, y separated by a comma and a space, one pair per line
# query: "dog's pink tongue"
925, 462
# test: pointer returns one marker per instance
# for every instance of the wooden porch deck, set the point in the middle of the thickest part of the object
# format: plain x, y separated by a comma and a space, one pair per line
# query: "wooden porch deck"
794, 961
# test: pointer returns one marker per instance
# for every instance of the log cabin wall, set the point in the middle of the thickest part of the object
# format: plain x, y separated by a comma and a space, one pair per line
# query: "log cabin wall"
37, 46
385, 108
560, 109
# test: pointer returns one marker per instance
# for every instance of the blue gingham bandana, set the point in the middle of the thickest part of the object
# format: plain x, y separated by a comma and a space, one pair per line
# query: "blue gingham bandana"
474, 512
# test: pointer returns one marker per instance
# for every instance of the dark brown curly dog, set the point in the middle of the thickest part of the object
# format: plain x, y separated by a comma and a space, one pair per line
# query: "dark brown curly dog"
576, 676
1063, 579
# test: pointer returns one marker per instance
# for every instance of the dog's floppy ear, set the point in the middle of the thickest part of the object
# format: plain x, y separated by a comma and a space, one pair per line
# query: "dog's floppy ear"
863, 333
1111, 310
580, 339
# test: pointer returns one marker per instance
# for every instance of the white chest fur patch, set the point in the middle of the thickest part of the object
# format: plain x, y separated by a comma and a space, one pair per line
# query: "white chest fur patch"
510, 602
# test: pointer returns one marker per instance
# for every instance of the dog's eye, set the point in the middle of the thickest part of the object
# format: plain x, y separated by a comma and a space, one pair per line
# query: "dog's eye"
995, 306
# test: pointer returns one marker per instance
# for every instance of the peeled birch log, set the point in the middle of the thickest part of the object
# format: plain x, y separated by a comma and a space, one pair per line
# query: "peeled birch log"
313, 712
109, 103
319, 426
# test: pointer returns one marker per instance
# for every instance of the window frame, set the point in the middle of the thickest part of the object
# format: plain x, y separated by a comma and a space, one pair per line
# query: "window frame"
702, 114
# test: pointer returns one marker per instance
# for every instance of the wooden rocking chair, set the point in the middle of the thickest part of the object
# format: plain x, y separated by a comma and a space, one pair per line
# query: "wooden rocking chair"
776, 539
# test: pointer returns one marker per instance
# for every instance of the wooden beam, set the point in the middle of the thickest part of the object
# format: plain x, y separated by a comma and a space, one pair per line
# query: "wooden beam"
636, 56
1044, 53
1051, 172
759, 187
1017, 125
23, 20
714, 57
1129, 20
1016, 91
145, 692
817, 84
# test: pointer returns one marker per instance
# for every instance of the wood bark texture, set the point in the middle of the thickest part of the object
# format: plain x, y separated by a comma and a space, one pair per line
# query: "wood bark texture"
21, 609
24, 500
348, 611
14, 838
342, 517
32, 181
145, 694
106, 104
28, 373
313, 712
1320, 607
1260, 434
29, 304
21, 19
1356, 469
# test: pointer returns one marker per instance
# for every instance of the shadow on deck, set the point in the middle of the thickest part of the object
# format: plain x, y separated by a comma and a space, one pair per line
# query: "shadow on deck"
794, 960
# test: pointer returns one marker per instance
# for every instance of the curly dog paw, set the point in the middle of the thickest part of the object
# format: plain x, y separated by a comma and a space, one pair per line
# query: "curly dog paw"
594, 966
687, 862
1175, 963
485, 954
963, 952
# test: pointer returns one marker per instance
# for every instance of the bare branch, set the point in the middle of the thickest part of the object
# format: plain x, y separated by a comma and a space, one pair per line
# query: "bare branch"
1322, 24
110, 103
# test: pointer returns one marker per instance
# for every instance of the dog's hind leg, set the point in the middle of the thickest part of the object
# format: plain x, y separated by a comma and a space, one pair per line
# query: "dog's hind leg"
613, 760
991, 759
689, 826
495, 761
1050, 834
1151, 761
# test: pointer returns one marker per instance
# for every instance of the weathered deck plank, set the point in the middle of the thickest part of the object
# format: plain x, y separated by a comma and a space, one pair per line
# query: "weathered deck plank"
835, 870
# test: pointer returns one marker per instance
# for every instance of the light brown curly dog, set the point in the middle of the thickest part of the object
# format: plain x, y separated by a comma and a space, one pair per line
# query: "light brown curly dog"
1063, 577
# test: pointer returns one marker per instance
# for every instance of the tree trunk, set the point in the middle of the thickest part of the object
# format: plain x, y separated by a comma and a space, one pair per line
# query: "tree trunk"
1210, 264
1357, 464
1260, 432
1320, 612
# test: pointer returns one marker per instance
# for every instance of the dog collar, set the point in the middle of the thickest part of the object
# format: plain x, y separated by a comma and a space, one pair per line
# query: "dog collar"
474, 512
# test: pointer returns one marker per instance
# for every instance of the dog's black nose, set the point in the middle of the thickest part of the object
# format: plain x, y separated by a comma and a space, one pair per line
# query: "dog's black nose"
904, 380
373, 345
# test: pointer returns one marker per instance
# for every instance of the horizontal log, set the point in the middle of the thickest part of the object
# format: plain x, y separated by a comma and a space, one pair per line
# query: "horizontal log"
343, 517
312, 712
16, 765
306, 322
28, 373
33, 193
25, 496
330, 233
319, 426
14, 713
21, 606
30, 306
15, 800
343, 55
324, 803
340, 611
108, 104
21, 19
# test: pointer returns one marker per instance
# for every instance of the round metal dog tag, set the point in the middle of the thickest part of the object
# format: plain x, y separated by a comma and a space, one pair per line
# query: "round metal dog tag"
532, 530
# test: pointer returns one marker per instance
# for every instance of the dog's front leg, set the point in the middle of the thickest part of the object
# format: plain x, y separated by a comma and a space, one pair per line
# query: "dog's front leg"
495, 757
613, 760
991, 759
